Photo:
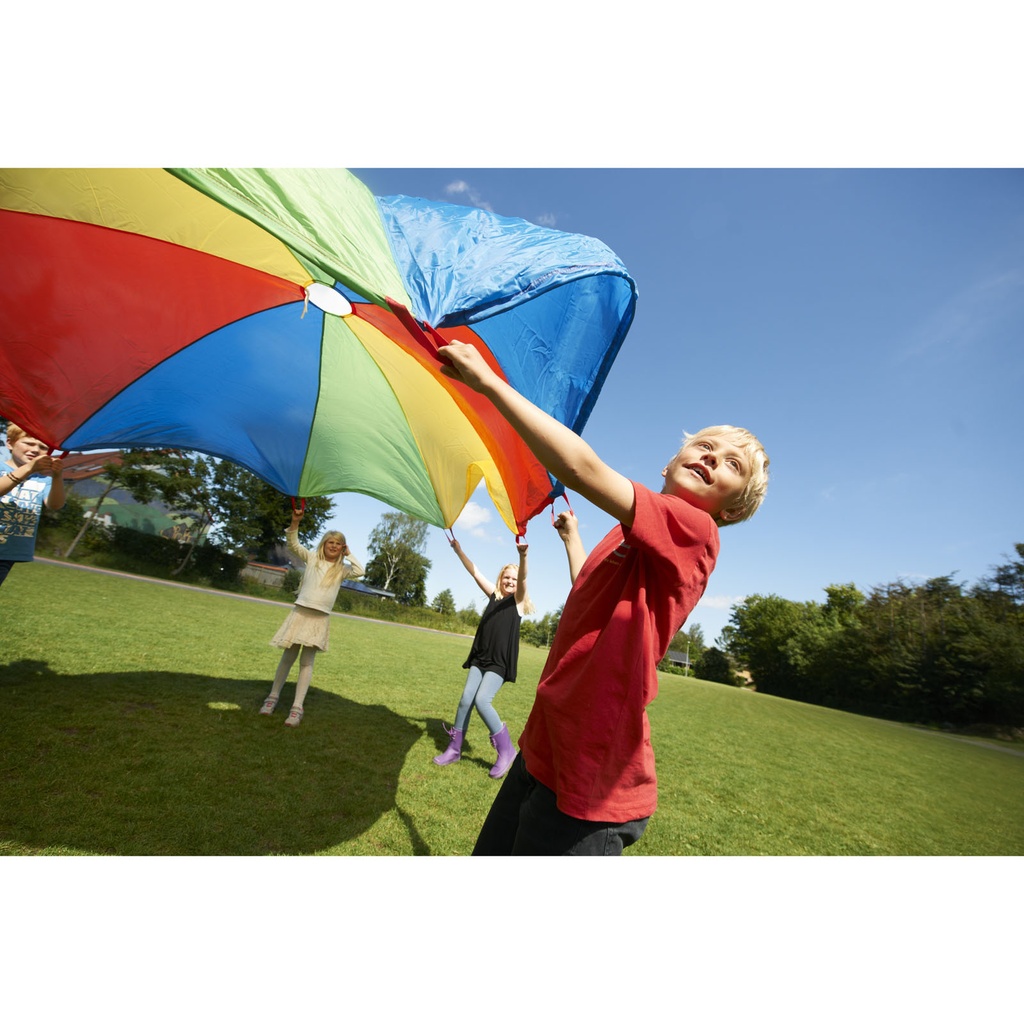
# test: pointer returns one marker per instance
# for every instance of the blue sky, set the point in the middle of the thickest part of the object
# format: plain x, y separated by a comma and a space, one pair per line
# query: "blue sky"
866, 324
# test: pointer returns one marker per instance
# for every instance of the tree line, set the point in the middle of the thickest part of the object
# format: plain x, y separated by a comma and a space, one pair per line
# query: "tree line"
226, 515
935, 652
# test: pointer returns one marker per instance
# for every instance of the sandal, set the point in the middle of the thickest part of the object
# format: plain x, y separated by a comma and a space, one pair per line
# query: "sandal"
294, 716
268, 706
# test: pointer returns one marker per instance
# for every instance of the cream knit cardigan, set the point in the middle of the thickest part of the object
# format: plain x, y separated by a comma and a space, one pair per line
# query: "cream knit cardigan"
313, 593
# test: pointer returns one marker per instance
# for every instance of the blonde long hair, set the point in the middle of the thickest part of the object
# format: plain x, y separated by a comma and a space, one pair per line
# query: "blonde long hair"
528, 606
337, 568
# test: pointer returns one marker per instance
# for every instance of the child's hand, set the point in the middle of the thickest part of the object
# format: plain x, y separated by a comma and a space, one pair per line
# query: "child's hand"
297, 514
40, 464
45, 465
455, 545
463, 362
566, 524
521, 546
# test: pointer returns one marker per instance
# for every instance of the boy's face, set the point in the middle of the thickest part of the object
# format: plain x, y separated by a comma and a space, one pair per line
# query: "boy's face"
710, 472
25, 449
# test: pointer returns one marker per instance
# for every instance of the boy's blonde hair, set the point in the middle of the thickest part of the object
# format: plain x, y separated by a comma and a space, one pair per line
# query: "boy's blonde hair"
337, 567
757, 486
15, 434
528, 606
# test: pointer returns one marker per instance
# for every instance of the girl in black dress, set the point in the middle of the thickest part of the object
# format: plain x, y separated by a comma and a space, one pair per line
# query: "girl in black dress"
493, 657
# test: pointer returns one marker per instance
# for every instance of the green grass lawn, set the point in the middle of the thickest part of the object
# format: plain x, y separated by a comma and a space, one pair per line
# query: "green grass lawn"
130, 728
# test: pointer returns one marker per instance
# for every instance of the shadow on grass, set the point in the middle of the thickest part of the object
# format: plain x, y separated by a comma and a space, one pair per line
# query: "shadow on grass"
159, 763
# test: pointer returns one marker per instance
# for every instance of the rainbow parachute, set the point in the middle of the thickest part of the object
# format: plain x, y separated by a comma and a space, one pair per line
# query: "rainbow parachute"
289, 321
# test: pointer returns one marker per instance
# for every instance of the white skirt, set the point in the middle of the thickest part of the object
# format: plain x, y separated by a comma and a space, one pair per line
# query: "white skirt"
305, 626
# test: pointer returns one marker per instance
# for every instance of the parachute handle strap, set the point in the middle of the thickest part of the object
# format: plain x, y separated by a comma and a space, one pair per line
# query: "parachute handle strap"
419, 330
301, 506
565, 496
449, 534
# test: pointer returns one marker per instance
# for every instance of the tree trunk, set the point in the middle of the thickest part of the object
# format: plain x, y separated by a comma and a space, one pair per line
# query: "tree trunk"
198, 530
88, 520
188, 556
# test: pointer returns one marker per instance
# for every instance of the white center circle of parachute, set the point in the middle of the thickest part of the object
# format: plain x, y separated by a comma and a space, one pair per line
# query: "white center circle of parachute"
328, 299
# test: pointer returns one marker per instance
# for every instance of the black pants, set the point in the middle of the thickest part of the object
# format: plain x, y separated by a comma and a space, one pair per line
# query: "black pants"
524, 822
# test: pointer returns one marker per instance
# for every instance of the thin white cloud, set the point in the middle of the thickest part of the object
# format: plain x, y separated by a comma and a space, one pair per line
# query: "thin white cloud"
722, 602
966, 317
465, 193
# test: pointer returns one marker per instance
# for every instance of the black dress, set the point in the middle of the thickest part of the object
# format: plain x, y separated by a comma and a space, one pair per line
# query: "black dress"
496, 644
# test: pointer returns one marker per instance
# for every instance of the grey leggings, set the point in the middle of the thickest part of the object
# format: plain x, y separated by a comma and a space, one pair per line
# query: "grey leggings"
481, 689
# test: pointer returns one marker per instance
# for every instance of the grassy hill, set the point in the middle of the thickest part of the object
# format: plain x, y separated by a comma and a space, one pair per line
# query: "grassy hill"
130, 728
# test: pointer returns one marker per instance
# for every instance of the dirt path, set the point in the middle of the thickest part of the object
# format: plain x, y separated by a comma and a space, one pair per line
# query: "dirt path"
237, 597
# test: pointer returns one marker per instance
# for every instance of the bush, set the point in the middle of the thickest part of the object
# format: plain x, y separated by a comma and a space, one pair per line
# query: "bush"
68, 518
147, 548
715, 666
221, 568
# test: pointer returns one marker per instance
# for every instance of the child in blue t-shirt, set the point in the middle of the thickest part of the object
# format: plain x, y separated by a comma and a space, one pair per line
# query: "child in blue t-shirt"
33, 479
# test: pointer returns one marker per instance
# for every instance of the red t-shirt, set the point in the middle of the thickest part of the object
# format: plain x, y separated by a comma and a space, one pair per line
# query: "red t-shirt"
588, 737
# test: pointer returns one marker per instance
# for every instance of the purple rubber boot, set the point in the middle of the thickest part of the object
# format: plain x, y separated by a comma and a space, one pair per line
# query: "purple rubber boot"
454, 751
502, 743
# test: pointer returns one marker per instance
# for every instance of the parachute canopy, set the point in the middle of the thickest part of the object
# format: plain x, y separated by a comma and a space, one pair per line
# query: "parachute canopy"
289, 321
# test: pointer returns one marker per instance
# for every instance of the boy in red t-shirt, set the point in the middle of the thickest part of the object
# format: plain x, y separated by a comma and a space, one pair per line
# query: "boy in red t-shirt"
583, 782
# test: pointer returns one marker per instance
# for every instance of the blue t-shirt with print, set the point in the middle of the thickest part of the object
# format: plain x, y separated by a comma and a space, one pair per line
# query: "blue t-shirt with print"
19, 518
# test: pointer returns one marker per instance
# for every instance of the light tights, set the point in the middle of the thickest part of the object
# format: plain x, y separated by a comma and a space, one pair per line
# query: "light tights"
284, 666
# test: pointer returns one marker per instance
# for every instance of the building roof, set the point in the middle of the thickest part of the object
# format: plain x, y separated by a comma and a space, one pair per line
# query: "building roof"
365, 588
89, 464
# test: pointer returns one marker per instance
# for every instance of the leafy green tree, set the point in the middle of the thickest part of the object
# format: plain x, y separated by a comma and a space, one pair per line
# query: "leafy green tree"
470, 617
716, 666
844, 601
687, 641
245, 512
814, 650
444, 603
999, 640
69, 516
758, 636
215, 495
133, 471
397, 562
540, 632
928, 652
1003, 589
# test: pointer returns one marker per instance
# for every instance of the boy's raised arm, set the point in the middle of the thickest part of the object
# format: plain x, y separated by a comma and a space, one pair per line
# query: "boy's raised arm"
564, 454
